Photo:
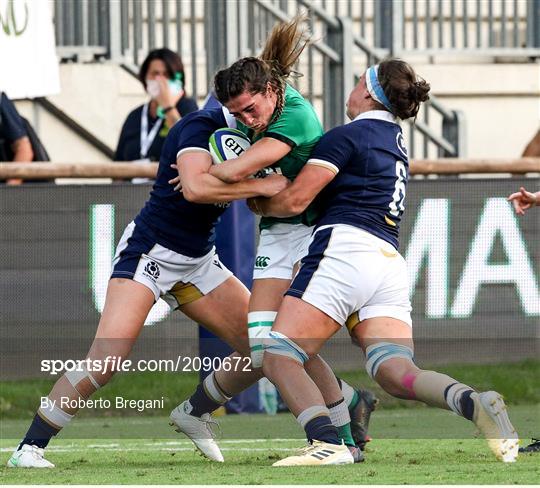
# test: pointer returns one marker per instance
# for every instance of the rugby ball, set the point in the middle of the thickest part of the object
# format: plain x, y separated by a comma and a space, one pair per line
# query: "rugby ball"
225, 144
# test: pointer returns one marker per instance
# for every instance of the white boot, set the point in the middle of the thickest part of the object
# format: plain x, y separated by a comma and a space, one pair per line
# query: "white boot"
491, 418
198, 429
319, 454
29, 457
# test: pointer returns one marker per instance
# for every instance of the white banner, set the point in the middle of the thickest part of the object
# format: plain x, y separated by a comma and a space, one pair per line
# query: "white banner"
28, 62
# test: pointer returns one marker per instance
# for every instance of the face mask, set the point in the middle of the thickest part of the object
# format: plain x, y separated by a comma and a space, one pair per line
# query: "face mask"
152, 88
175, 87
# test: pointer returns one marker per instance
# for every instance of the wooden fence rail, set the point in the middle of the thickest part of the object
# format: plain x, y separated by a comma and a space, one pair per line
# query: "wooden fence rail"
447, 166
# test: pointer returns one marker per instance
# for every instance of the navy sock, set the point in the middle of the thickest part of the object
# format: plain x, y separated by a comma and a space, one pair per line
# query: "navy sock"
201, 402
467, 405
321, 429
39, 434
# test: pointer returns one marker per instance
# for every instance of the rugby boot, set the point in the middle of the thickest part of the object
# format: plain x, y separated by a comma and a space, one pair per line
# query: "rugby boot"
29, 457
319, 454
357, 454
491, 418
198, 429
534, 446
360, 416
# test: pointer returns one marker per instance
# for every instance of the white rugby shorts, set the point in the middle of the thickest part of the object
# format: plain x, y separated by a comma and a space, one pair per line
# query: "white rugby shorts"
349, 271
176, 278
280, 248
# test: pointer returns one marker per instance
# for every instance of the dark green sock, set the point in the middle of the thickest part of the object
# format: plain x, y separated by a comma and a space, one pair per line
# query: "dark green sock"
354, 401
345, 434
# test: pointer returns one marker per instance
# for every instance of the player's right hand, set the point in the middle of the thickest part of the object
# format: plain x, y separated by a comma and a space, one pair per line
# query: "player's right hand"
273, 184
523, 200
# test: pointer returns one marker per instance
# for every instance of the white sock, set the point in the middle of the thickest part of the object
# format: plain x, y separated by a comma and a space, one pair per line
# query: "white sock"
339, 414
310, 413
213, 390
348, 392
54, 415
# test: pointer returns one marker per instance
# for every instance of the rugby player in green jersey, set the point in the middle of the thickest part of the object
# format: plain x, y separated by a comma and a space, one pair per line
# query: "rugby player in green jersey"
284, 129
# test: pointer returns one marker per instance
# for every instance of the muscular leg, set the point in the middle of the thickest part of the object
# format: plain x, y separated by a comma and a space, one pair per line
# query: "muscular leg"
224, 313
266, 297
126, 308
309, 329
400, 377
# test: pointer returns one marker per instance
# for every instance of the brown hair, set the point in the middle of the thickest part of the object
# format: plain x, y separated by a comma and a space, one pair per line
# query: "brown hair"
173, 64
404, 89
274, 65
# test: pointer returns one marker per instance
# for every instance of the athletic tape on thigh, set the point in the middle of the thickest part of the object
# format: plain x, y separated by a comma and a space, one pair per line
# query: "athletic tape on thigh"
54, 415
282, 345
75, 377
378, 353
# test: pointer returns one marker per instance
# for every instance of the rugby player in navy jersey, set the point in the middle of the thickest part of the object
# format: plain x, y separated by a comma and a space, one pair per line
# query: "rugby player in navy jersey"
353, 274
168, 252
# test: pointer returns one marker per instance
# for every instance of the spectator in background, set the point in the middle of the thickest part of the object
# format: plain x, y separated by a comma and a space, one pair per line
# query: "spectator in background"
145, 129
15, 145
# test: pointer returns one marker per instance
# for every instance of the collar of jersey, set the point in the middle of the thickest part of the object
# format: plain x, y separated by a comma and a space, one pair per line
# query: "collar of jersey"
378, 115
231, 121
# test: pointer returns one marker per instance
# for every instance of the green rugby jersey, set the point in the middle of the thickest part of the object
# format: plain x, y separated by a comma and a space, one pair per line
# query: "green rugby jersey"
299, 127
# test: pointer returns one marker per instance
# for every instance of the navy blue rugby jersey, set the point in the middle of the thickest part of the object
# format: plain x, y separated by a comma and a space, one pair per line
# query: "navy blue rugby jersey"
370, 160
184, 227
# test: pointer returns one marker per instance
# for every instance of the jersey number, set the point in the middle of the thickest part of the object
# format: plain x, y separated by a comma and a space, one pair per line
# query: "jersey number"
398, 198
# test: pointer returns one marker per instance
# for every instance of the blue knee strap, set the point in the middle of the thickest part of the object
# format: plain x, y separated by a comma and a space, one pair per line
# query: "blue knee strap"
378, 353
282, 345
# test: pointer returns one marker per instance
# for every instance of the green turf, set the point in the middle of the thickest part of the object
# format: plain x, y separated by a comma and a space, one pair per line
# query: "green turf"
518, 382
410, 423
413, 444
172, 460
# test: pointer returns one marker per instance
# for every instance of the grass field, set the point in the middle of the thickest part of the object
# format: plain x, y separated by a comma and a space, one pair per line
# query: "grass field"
518, 382
412, 445
172, 459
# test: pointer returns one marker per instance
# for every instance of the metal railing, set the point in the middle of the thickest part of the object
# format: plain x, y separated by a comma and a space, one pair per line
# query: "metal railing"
210, 34
497, 27
241, 28
82, 29
445, 27
330, 66
83, 32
